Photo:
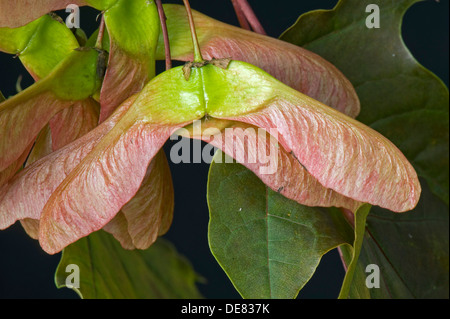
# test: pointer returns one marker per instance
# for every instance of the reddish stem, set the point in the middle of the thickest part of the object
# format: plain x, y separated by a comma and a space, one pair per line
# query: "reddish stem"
197, 52
163, 18
251, 16
101, 31
240, 15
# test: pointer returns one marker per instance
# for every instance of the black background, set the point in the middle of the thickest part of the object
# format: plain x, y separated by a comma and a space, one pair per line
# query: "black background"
27, 272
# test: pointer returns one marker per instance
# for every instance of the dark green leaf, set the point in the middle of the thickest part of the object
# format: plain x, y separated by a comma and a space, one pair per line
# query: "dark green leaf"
109, 271
268, 245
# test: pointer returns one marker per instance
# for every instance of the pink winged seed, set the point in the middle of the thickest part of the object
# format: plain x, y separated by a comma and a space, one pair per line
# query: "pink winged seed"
107, 178
278, 169
341, 153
